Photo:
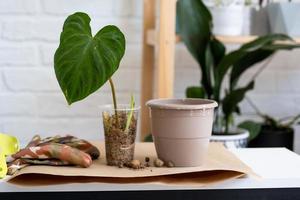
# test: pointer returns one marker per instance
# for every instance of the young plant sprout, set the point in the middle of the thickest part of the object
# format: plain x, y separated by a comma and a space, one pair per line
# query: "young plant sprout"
130, 114
83, 63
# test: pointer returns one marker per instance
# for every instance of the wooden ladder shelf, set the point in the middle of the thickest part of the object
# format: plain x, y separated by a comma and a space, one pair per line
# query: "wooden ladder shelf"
159, 49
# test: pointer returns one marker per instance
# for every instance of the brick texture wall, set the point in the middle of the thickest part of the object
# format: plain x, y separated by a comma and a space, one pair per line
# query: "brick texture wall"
30, 98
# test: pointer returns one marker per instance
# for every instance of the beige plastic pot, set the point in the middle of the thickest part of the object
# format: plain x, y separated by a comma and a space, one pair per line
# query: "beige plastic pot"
181, 129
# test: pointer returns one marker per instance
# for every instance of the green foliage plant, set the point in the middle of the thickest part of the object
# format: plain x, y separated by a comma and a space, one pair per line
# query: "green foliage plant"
255, 127
215, 63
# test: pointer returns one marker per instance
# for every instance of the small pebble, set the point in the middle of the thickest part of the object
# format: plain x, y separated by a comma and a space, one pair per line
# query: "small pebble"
170, 164
147, 159
158, 163
135, 164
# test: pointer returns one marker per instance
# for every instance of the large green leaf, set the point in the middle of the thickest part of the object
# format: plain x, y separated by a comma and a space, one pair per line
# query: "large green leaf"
258, 44
207, 70
248, 55
195, 26
251, 126
195, 92
247, 61
275, 47
251, 58
224, 65
218, 50
265, 40
83, 62
217, 53
214, 53
233, 98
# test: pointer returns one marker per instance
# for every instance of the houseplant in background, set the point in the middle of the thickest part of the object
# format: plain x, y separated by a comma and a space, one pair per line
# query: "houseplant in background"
195, 28
83, 63
270, 132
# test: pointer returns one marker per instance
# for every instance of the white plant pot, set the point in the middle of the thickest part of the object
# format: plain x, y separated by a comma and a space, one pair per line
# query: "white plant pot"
228, 20
237, 140
284, 18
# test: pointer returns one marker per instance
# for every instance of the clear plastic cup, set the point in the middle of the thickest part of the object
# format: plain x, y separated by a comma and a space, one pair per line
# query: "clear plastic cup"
120, 133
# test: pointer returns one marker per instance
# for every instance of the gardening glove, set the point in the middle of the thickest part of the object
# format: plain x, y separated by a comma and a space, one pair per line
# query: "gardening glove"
8, 145
74, 142
54, 151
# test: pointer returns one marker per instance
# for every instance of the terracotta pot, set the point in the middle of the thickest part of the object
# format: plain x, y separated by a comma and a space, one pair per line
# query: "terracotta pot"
181, 129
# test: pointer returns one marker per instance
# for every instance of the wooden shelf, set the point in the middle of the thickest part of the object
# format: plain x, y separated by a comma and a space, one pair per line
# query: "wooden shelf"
152, 38
159, 53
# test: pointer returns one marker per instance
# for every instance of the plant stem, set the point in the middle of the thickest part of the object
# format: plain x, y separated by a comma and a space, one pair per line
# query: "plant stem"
226, 125
254, 107
262, 68
294, 119
113, 92
281, 120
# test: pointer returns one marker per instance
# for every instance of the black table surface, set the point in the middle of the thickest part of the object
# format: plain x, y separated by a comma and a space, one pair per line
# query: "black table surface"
209, 194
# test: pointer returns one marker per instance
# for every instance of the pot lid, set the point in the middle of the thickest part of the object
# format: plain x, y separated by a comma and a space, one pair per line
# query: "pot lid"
182, 104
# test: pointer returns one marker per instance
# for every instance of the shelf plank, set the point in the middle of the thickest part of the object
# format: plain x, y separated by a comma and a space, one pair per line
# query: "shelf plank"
148, 66
151, 38
166, 49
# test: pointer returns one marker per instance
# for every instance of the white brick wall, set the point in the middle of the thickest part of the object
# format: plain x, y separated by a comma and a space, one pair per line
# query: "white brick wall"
18, 7
30, 98
17, 55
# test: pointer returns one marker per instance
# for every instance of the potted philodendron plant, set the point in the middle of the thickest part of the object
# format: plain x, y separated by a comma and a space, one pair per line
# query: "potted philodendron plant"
195, 28
83, 63
270, 132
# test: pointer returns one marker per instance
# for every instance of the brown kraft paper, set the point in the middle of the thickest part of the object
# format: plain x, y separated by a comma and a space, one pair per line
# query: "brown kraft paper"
220, 165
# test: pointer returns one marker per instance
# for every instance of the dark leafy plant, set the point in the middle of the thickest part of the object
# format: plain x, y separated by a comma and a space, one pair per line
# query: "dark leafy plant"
195, 28
254, 127
83, 62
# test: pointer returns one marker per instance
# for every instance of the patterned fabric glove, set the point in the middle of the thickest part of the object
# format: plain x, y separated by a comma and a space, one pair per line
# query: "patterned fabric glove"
55, 151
